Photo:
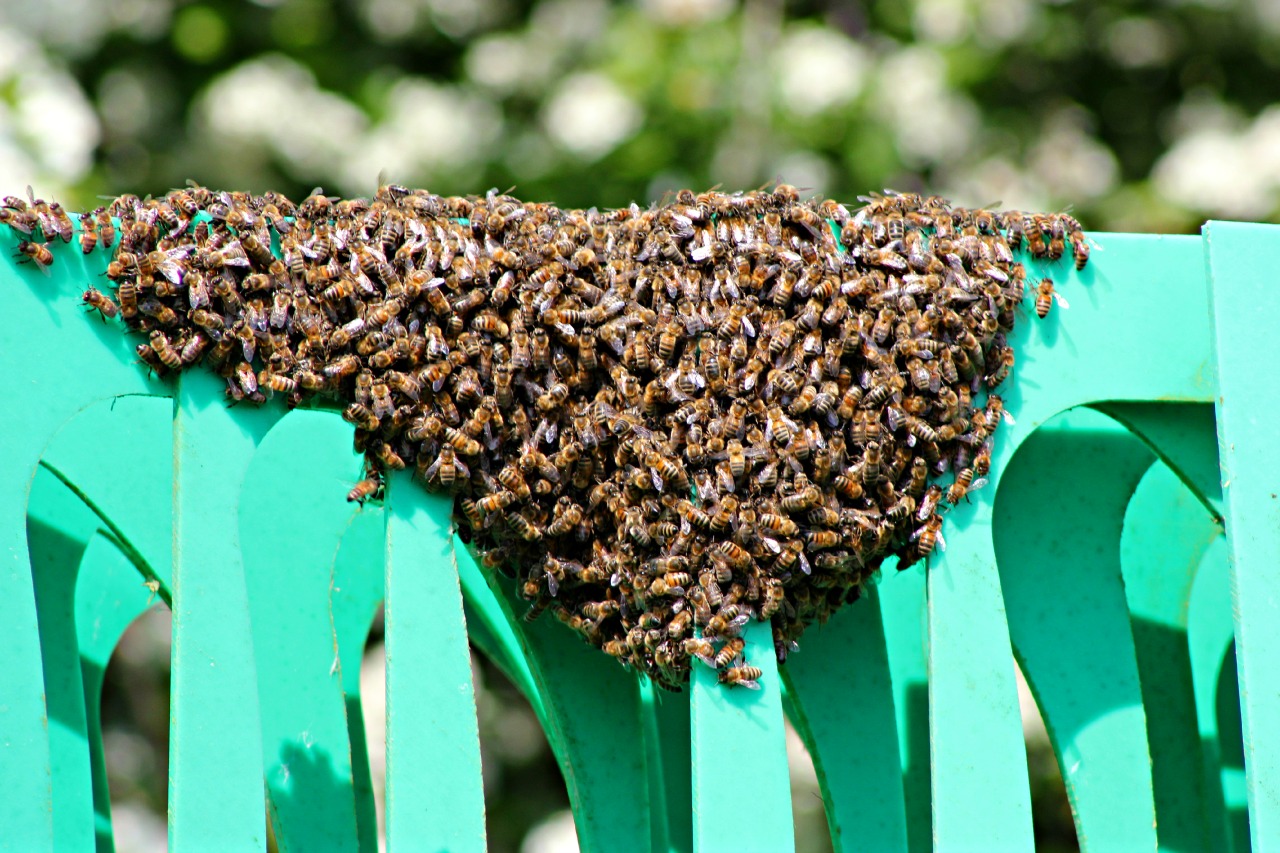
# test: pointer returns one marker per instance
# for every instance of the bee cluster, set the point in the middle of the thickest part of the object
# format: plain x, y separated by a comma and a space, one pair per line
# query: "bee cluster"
663, 422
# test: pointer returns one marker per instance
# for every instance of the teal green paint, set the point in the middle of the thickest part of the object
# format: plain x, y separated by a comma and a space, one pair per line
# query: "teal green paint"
89, 363
841, 673
109, 597
905, 619
1251, 476
981, 799
75, 495
1210, 637
667, 722
435, 793
215, 740
55, 559
1057, 535
293, 512
591, 712
356, 592
496, 624
1167, 532
1184, 436
741, 789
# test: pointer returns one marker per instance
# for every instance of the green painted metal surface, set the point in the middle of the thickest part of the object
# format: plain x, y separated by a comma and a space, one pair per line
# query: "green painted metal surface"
435, 794
841, 673
55, 560
904, 616
1058, 531
1167, 534
215, 739
1251, 497
293, 513
1184, 436
580, 692
667, 721
108, 598
981, 796
1211, 638
94, 362
356, 591
741, 788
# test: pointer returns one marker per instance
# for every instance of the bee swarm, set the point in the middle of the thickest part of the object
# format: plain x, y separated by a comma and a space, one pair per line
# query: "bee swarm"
664, 422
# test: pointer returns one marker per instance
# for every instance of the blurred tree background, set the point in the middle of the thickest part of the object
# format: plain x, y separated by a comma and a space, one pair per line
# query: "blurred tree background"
1142, 116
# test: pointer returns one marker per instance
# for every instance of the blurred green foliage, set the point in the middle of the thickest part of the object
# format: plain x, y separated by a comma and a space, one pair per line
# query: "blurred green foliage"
1142, 116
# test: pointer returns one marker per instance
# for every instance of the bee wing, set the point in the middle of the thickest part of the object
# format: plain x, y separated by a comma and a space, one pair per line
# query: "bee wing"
172, 271
432, 470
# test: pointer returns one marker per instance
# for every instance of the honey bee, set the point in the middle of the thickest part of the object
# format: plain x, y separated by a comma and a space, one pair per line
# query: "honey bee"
495, 502
540, 350
703, 650
727, 622
489, 323
668, 338
88, 233
554, 398
741, 676
693, 515
672, 584
35, 253
1031, 226
774, 597
383, 405
929, 536
362, 417
729, 652
820, 539
724, 514
1002, 368
193, 350
62, 225
105, 306
1046, 296
276, 382
982, 462
1079, 243
367, 489
523, 527
164, 350
963, 484
447, 468
148, 357
19, 220
665, 472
